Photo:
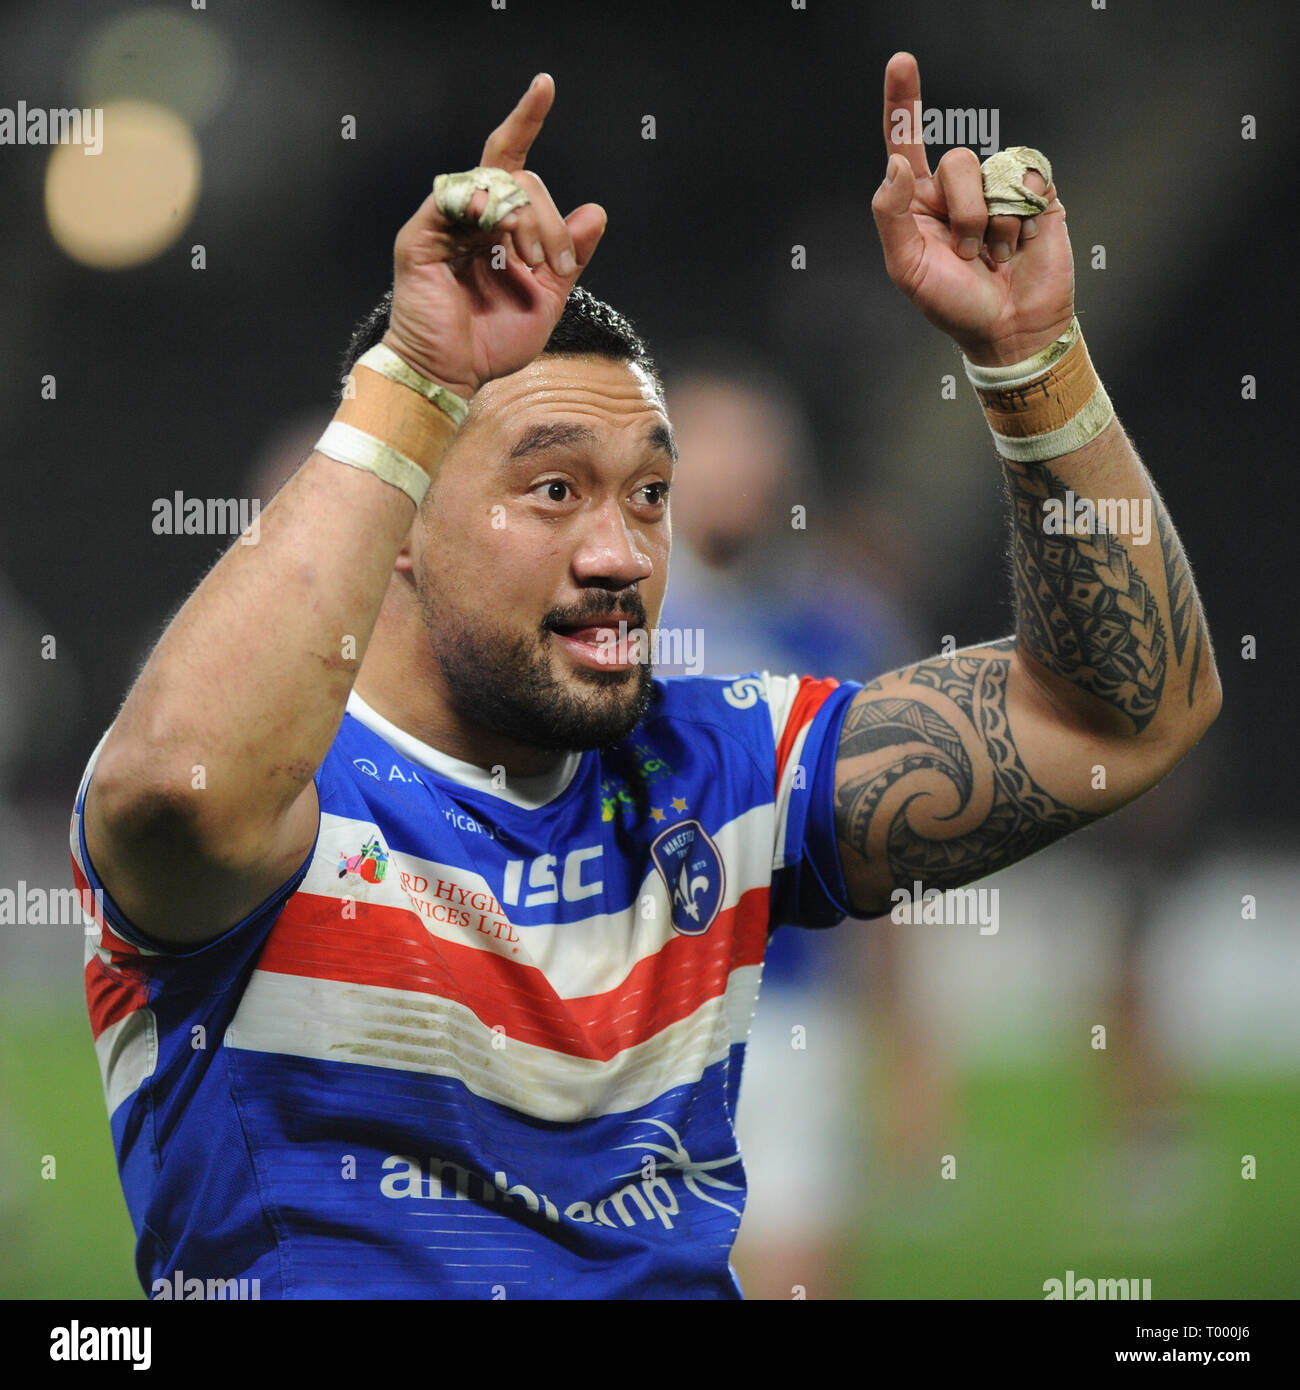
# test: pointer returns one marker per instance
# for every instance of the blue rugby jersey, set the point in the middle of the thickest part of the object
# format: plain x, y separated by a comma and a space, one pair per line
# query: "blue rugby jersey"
487, 1041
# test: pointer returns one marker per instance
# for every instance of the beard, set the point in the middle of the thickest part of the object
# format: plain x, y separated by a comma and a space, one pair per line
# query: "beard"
507, 685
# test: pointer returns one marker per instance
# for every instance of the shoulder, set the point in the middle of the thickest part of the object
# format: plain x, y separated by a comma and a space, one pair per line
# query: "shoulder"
757, 711
742, 701
736, 704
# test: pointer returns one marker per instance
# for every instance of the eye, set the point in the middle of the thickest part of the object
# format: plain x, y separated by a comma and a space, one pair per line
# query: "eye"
655, 494
554, 490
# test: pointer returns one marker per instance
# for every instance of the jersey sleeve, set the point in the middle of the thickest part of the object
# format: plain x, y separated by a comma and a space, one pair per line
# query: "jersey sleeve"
808, 887
121, 943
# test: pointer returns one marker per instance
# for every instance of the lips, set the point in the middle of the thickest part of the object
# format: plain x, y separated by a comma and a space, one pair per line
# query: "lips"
599, 640
603, 621
592, 634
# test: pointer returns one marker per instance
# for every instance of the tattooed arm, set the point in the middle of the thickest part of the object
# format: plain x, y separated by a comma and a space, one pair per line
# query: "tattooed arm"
963, 764
959, 766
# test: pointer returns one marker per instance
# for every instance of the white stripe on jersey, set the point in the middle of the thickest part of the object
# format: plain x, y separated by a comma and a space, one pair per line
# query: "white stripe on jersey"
406, 1031
781, 693
128, 1053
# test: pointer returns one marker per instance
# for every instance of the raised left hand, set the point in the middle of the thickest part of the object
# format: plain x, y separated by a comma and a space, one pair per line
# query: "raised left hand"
1003, 287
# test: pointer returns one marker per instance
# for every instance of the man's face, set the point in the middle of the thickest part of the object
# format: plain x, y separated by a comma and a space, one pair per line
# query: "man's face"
545, 528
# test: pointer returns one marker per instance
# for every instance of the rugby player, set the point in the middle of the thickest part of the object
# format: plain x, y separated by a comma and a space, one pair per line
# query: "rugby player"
433, 921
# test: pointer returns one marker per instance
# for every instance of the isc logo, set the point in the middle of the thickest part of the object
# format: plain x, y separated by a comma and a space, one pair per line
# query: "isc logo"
545, 887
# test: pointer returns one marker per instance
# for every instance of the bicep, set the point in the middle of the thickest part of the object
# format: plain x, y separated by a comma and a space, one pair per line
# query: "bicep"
958, 766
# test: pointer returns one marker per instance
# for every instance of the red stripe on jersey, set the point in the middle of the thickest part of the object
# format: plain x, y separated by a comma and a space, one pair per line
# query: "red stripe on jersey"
812, 695
389, 947
112, 991
112, 995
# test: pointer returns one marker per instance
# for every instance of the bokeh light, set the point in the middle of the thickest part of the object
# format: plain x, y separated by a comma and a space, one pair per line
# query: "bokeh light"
155, 54
129, 203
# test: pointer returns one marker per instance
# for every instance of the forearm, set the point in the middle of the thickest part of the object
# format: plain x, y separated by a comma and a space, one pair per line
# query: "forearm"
1107, 613
240, 701
1107, 616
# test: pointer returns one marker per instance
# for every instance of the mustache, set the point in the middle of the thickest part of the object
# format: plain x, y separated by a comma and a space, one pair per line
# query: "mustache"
628, 609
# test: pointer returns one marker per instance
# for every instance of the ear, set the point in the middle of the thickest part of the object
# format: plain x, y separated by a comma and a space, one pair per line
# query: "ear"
416, 534
403, 563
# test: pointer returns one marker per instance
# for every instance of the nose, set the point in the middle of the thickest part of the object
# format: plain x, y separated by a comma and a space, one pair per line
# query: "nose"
609, 553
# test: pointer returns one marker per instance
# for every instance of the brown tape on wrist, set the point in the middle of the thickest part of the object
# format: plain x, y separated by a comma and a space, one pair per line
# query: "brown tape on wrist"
1046, 403
398, 416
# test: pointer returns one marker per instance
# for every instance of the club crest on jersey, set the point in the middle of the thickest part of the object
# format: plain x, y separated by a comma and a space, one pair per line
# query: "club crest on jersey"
371, 863
692, 870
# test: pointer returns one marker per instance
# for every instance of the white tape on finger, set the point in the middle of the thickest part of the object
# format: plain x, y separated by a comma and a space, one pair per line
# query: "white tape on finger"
1004, 182
453, 194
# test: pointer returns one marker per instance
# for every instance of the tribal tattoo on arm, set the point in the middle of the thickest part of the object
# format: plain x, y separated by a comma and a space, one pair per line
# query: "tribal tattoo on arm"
1184, 608
931, 785
1082, 609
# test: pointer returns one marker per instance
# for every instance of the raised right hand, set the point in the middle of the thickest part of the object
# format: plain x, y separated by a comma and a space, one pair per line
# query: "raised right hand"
456, 318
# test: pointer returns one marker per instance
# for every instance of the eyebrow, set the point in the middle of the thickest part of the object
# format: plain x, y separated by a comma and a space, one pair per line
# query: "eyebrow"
560, 434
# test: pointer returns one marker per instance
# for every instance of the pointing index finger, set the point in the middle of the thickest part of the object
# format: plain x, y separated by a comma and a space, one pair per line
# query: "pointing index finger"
508, 145
903, 129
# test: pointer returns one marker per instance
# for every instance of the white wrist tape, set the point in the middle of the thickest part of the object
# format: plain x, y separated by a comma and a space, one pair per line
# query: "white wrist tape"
1020, 373
1048, 405
347, 444
382, 359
